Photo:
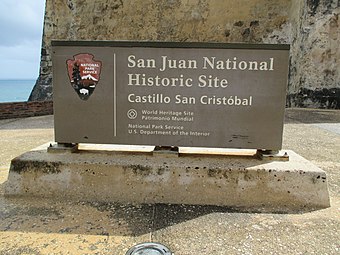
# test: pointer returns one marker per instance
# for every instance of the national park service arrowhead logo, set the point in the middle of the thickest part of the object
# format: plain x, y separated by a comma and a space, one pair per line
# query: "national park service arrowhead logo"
84, 74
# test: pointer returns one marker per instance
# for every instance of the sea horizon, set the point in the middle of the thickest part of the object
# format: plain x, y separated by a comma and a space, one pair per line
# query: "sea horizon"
15, 90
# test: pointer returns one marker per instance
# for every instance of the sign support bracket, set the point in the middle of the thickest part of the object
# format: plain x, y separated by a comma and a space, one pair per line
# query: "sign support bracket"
59, 147
168, 151
273, 155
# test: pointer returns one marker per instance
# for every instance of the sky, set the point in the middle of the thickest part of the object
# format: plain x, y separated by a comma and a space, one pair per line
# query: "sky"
21, 25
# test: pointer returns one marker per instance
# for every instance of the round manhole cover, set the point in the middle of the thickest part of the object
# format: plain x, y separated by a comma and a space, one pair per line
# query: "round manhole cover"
149, 249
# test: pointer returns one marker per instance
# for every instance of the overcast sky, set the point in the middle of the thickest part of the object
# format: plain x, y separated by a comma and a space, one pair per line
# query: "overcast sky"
21, 24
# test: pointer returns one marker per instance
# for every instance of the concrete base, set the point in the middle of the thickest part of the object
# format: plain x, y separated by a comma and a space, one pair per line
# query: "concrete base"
236, 181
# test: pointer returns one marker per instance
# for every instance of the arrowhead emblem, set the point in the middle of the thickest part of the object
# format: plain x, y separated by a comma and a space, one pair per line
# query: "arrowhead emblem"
84, 74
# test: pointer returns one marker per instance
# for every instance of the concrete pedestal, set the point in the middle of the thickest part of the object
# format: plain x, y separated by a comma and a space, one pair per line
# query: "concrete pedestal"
140, 177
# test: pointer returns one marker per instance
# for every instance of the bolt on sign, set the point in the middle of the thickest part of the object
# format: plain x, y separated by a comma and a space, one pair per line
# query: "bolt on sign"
170, 94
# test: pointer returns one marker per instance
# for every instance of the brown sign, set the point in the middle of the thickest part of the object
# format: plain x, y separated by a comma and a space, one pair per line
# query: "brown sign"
170, 94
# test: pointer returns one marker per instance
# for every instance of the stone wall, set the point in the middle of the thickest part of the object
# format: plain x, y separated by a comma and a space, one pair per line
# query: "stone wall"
25, 109
315, 55
311, 26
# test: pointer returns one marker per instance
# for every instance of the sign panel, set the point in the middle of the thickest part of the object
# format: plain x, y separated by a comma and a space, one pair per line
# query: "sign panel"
170, 94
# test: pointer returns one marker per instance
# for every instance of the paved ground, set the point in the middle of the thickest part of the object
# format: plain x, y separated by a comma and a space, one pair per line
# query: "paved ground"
37, 226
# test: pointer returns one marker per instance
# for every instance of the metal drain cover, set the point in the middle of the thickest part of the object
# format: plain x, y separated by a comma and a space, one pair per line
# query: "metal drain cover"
149, 249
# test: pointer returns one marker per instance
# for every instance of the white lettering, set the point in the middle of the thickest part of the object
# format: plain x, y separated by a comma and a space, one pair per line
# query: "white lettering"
177, 64
235, 64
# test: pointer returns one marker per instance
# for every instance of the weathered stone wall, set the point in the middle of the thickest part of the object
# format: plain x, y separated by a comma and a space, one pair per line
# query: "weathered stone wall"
315, 55
25, 109
252, 21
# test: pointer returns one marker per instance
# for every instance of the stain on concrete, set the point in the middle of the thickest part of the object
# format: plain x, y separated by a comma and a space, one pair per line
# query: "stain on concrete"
139, 169
161, 170
21, 166
214, 172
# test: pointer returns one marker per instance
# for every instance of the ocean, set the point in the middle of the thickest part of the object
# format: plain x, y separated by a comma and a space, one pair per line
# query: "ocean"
15, 90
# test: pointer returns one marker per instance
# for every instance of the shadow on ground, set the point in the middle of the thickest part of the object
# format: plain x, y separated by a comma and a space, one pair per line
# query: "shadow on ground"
98, 218
311, 116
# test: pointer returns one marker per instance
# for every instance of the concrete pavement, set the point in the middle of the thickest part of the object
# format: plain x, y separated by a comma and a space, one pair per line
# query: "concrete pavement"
41, 226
